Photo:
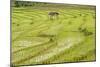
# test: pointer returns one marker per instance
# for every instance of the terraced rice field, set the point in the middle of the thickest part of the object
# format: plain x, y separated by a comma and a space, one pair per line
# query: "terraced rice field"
38, 40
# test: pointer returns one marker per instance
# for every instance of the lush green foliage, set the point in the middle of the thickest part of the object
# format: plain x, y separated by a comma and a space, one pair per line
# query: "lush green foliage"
36, 39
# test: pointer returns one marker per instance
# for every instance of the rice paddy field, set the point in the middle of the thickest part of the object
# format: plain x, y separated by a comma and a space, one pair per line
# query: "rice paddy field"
36, 39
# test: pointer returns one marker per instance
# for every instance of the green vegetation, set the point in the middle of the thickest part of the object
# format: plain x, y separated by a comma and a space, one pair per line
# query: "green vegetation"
36, 39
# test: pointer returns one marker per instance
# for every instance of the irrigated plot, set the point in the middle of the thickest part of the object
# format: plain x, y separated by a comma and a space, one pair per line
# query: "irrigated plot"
46, 34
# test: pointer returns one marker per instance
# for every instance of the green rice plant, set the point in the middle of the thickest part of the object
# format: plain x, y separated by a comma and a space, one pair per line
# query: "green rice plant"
38, 40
